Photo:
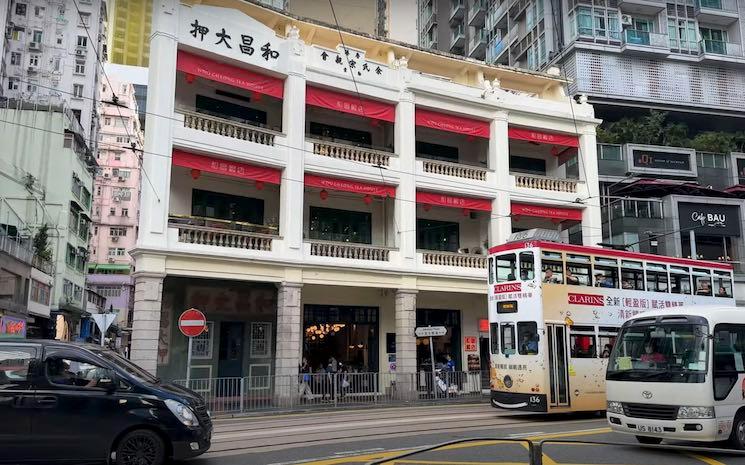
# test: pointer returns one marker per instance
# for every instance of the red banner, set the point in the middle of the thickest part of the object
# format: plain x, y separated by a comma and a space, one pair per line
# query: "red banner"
228, 74
350, 104
452, 201
558, 213
452, 123
531, 135
345, 185
226, 167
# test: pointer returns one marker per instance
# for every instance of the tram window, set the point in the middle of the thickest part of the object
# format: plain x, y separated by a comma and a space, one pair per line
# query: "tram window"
494, 337
607, 339
553, 272
527, 331
723, 284
491, 270
606, 273
632, 276
506, 268
578, 275
508, 338
703, 283
582, 341
656, 281
526, 266
680, 280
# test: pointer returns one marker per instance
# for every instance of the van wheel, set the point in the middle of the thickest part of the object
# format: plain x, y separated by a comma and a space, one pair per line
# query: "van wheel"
737, 436
140, 447
648, 440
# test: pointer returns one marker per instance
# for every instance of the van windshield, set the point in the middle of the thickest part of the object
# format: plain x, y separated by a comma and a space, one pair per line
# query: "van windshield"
127, 366
660, 352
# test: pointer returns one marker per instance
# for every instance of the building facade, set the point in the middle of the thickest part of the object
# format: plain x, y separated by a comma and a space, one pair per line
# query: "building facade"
52, 55
453, 26
130, 22
311, 214
116, 201
49, 180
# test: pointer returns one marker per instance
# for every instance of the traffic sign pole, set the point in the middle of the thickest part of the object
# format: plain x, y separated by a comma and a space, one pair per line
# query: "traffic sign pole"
432, 361
192, 323
188, 364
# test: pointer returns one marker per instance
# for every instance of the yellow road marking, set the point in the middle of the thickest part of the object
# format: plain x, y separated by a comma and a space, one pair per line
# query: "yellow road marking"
708, 460
444, 462
568, 434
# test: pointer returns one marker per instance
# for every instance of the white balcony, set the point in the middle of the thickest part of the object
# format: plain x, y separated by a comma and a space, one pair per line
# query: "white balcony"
227, 128
351, 152
719, 12
453, 260
453, 170
348, 250
716, 50
203, 235
645, 42
545, 183
642, 7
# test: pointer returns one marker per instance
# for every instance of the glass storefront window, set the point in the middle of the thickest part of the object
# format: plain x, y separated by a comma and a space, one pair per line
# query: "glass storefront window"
227, 207
437, 235
329, 224
443, 346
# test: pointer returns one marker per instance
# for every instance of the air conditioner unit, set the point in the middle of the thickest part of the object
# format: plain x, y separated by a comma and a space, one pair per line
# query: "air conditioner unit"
81, 51
115, 239
627, 20
117, 199
121, 179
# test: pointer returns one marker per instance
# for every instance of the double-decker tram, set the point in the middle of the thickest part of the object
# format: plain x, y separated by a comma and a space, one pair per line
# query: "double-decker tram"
555, 311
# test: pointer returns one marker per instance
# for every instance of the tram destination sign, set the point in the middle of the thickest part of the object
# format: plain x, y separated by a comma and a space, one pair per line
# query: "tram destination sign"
430, 331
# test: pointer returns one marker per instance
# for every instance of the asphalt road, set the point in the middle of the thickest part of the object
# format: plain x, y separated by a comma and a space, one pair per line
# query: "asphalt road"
363, 436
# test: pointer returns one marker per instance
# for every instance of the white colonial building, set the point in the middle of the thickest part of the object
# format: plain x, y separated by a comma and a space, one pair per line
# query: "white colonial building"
319, 194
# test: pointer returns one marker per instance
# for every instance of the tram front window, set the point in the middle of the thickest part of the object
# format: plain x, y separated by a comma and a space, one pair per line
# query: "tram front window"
667, 352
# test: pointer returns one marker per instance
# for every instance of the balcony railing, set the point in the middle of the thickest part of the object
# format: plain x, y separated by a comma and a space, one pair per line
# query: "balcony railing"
227, 128
457, 36
454, 169
224, 238
351, 153
477, 13
13, 247
477, 41
349, 250
729, 6
718, 47
431, 257
457, 9
545, 183
645, 38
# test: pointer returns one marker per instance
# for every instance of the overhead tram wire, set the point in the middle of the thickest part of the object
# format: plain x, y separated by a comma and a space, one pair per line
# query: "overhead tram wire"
114, 98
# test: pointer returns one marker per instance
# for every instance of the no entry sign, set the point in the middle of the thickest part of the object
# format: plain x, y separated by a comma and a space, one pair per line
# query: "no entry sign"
192, 323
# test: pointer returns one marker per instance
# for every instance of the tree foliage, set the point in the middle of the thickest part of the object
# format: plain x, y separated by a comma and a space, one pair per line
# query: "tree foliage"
41, 243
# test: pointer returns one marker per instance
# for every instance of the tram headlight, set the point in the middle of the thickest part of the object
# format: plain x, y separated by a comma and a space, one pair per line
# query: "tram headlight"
696, 412
615, 407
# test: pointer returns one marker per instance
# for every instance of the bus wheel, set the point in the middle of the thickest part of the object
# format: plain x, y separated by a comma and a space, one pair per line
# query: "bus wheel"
648, 440
737, 436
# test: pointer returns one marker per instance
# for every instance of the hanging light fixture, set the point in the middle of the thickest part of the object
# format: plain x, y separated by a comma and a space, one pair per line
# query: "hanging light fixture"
324, 194
466, 212
190, 78
260, 185
367, 199
195, 173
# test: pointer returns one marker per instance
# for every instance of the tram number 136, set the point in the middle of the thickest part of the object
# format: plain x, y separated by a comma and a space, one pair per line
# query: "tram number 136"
534, 400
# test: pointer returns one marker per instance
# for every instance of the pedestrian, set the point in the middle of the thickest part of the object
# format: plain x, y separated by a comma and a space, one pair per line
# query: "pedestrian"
306, 393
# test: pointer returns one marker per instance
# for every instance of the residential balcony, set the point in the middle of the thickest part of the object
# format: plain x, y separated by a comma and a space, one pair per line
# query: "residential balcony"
346, 250
645, 42
518, 7
453, 170
227, 128
642, 7
457, 37
477, 44
719, 12
497, 46
430, 20
219, 237
545, 183
352, 153
477, 13
718, 50
457, 9
454, 260
451, 157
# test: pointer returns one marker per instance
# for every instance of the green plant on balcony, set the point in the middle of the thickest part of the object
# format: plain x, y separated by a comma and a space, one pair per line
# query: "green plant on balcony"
41, 243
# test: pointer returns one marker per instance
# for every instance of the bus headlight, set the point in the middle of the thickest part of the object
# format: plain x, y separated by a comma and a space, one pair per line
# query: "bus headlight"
615, 407
696, 412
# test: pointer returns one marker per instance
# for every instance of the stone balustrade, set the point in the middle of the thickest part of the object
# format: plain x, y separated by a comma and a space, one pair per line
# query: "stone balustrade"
227, 128
461, 260
545, 183
223, 237
351, 153
454, 169
349, 250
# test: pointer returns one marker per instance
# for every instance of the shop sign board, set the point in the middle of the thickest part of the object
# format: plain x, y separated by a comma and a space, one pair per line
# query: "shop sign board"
710, 219
12, 327
471, 344
430, 331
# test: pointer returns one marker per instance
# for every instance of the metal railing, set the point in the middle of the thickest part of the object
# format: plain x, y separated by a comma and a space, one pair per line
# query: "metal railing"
351, 152
645, 38
718, 47
227, 128
454, 169
16, 249
461, 260
729, 6
328, 390
223, 237
349, 250
545, 183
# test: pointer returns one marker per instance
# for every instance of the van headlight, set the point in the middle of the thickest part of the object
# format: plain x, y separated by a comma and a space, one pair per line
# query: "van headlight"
696, 412
184, 414
615, 407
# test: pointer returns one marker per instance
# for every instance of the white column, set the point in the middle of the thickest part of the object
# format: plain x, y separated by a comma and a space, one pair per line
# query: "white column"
592, 223
405, 305
146, 320
156, 162
405, 210
289, 324
500, 225
292, 187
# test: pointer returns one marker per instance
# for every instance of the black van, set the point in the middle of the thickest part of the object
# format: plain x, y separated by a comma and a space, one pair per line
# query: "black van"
81, 403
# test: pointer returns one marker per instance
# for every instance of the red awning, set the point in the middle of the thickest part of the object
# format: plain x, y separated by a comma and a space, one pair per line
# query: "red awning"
453, 201
532, 135
452, 123
351, 104
228, 74
346, 185
555, 213
226, 167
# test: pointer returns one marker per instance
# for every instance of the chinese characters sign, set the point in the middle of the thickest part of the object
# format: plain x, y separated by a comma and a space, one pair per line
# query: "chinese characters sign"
200, 32
12, 327
470, 343
350, 62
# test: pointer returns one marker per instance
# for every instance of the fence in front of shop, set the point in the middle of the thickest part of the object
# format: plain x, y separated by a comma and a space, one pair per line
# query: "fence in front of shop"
319, 390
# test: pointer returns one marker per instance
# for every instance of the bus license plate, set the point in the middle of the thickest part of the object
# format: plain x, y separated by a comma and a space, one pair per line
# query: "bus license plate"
649, 429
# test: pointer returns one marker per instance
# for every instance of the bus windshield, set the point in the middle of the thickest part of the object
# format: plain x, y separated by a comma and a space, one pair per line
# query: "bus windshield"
667, 352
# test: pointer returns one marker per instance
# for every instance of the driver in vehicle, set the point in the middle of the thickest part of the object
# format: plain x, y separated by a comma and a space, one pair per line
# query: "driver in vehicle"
59, 373
651, 354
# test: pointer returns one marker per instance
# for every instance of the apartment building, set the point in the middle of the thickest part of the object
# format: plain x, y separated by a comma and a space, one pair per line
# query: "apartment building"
51, 55
116, 201
315, 199
453, 26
